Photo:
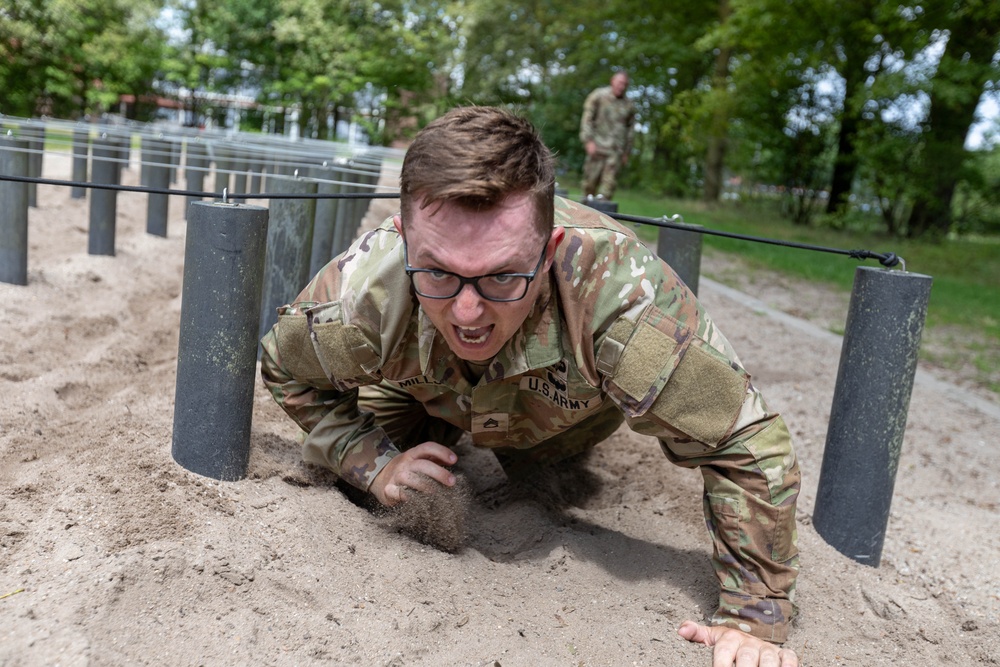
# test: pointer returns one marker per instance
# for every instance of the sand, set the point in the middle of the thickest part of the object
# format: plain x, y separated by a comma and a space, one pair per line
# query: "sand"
112, 554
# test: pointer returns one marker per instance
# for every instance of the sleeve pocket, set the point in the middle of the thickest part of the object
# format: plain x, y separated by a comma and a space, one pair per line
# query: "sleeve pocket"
640, 358
703, 397
342, 349
296, 349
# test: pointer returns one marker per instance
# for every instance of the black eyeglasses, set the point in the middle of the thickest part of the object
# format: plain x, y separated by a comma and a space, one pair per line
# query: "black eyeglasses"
438, 284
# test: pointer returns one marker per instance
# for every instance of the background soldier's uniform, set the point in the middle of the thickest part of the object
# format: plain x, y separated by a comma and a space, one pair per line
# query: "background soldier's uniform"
609, 122
614, 335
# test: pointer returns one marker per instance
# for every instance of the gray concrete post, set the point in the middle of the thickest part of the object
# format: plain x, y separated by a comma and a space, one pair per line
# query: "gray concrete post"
681, 249
217, 351
158, 164
13, 212
240, 168
81, 149
289, 246
124, 146
194, 171
357, 206
35, 134
103, 203
864, 440
175, 158
325, 225
256, 173
221, 155
347, 226
369, 179
344, 227
601, 204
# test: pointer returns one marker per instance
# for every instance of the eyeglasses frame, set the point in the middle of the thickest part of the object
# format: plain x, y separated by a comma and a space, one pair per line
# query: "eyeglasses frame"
474, 281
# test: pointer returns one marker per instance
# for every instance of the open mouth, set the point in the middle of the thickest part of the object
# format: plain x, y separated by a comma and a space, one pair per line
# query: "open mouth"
476, 336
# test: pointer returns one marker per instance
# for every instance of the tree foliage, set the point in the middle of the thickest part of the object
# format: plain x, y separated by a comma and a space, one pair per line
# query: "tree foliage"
967, 65
863, 100
71, 57
315, 56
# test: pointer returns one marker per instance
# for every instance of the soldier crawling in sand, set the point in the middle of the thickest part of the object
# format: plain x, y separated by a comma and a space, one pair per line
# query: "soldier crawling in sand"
488, 306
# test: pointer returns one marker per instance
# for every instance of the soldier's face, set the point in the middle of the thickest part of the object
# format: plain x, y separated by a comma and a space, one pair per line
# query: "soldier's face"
619, 84
470, 243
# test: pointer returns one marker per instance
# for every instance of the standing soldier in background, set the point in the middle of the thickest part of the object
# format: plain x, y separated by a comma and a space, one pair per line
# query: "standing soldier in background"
606, 132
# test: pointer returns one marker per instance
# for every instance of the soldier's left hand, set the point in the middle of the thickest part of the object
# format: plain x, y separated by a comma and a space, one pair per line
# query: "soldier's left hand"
732, 647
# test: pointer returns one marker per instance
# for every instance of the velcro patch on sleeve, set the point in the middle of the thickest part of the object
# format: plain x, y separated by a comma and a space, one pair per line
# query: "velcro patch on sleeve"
640, 357
296, 349
338, 347
643, 360
703, 397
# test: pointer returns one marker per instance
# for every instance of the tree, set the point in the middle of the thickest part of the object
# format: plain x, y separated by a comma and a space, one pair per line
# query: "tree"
827, 41
717, 134
316, 56
967, 65
70, 57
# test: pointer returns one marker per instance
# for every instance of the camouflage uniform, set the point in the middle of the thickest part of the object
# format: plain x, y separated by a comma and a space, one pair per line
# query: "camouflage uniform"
614, 335
609, 122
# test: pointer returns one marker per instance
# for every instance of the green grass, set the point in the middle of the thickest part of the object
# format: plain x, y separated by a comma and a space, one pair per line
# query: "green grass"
964, 307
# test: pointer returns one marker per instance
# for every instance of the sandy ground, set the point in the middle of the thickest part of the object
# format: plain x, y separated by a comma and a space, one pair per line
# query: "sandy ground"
112, 554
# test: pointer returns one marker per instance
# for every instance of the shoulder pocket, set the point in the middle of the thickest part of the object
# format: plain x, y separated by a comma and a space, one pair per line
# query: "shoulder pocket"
295, 347
658, 365
342, 349
639, 358
704, 396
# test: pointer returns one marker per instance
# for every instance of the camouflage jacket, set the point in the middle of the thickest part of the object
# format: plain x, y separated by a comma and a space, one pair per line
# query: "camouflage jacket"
608, 121
613, 324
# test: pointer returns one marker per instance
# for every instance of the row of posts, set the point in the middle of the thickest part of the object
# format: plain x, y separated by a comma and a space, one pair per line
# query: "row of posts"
239, 170
231, 291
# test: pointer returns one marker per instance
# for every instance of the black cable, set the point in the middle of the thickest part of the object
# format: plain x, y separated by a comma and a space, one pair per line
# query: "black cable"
888, 259
241, 196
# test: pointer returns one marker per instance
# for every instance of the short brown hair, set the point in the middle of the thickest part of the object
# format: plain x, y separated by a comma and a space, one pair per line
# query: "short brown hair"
476, 157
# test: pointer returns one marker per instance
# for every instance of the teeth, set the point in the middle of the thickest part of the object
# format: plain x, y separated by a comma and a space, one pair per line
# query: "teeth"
463, 334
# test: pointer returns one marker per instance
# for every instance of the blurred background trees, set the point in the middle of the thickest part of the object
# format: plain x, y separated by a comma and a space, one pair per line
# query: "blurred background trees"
829, 109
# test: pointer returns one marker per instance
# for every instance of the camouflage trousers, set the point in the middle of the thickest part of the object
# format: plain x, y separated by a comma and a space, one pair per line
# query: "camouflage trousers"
407, 424
600, 174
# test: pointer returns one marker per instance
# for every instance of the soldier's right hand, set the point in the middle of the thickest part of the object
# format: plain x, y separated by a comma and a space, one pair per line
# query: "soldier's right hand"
418, 469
